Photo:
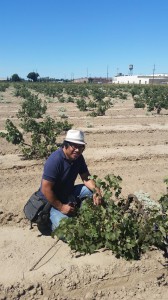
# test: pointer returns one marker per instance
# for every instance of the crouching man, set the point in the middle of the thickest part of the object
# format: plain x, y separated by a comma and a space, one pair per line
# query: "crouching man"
58, 180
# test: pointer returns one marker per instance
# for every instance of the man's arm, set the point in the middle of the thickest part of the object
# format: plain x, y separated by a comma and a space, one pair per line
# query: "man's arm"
47, 190
91, 185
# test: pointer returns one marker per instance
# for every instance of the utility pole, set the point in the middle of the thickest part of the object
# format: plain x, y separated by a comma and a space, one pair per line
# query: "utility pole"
87, 73
153, 74
107, 72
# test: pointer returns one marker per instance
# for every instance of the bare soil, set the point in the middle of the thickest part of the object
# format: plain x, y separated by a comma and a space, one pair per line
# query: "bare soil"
126, 141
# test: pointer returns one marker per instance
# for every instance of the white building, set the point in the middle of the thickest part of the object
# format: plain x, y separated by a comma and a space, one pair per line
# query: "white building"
141, 79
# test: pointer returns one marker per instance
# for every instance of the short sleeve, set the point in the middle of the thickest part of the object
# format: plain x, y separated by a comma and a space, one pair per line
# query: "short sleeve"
52, 168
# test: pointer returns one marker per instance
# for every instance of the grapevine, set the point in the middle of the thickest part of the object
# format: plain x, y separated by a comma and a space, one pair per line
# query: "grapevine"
127, 227
36, 138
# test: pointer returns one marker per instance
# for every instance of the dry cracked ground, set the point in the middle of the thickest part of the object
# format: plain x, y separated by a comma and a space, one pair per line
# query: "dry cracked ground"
126, 141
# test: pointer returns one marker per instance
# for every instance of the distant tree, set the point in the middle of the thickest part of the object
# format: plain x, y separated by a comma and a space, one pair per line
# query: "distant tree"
15, 78
90, 80
33, 76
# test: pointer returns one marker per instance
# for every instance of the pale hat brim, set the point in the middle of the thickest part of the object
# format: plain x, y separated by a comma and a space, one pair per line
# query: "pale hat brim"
75, 141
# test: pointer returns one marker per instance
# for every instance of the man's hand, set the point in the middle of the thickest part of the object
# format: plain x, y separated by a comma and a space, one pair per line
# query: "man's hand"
66, 209
91, 184
97, 199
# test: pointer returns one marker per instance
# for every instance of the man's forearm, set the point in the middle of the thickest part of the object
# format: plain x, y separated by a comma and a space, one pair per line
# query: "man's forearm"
97, 197
47, 190
52, 199
91, 185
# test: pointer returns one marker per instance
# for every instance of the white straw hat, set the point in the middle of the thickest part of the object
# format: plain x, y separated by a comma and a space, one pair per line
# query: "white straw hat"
75, 136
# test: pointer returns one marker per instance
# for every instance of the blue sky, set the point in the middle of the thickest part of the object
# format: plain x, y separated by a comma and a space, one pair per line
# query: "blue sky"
71, 39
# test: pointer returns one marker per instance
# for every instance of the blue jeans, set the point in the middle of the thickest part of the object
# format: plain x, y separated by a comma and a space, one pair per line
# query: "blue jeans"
80, 191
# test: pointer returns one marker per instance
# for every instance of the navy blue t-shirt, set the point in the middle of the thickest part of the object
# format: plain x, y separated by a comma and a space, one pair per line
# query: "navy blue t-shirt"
63, 173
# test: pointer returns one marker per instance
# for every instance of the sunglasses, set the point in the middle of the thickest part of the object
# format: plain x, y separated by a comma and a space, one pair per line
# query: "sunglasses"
77, 146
